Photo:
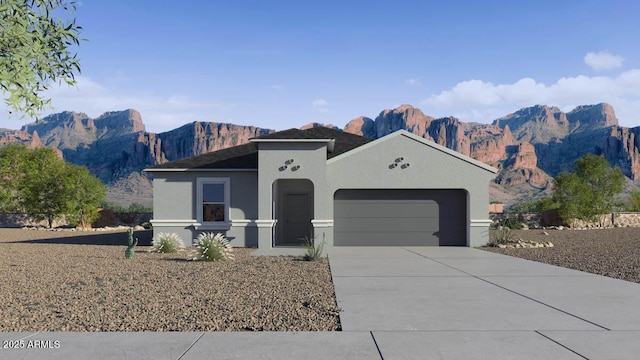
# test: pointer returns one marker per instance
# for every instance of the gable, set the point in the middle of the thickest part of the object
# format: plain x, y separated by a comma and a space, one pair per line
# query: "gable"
403, 160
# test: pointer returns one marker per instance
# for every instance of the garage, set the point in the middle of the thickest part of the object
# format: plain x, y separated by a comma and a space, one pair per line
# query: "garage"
400, 217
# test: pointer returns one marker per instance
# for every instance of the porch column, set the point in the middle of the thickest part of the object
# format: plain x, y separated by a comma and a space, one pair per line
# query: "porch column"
265, 233
478, 232
323, 231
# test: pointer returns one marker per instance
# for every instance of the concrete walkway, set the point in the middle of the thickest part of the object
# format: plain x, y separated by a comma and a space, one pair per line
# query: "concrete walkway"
409, 303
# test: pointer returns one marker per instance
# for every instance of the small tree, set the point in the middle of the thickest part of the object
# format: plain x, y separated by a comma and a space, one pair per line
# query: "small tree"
43, 186
589, 191
43, 191
12, 158
84, 194
34, 51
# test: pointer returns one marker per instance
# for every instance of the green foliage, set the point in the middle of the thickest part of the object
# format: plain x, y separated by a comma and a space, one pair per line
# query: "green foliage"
132, 208
532, 206
500, 236
131, 247
167, 243
512, 224
85, 193
12, 175
44, 187
634, 200
35, 51
589, 191
314, 251
546, 203
212, 247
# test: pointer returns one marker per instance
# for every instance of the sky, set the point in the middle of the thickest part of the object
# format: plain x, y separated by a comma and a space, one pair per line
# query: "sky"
283, 64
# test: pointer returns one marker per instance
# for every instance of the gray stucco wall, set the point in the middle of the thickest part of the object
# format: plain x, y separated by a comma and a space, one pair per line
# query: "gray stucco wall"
175, 208
397, 161
428, 168
309, 162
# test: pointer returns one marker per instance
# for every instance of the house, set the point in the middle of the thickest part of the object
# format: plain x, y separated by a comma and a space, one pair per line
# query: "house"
341, 189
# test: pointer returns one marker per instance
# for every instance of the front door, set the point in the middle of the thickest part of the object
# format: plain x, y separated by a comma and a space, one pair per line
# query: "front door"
297, 213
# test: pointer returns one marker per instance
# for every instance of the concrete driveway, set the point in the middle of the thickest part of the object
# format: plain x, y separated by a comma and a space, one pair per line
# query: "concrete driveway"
408, 303
464, 303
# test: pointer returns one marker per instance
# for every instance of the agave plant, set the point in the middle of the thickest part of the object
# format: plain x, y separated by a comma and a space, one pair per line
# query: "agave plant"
167, 243
212, 247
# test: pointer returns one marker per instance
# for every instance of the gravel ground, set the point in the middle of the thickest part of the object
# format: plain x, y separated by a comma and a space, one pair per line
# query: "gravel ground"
610, 252
52, 282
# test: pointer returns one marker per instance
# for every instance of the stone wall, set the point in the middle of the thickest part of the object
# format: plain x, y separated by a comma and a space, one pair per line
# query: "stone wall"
532, 221
11, 220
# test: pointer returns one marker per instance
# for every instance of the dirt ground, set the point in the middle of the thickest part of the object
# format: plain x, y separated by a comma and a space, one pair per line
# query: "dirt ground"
610, 252
68, 281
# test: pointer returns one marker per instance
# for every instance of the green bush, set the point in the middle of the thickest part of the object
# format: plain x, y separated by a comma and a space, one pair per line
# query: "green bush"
167, 243
634, 200
212, 247
511, 224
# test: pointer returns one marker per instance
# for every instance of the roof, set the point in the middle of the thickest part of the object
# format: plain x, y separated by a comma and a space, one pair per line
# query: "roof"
246, 156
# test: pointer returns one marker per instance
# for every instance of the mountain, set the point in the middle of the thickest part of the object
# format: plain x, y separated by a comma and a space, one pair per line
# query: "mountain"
115, 146
529, 146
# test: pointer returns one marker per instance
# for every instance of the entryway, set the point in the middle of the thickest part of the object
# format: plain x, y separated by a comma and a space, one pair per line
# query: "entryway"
293, 208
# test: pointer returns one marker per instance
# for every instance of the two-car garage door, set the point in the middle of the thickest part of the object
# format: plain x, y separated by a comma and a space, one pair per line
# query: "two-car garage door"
400, 217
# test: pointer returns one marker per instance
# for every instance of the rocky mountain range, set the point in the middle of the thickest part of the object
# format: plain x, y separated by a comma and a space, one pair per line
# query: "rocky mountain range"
529, 146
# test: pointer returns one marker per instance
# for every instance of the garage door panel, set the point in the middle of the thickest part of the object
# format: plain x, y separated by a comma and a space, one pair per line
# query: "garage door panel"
400, 217
384, 208
387, 224
387, 239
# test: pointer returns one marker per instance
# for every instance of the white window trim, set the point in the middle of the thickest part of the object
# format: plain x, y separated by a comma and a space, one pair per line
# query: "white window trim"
213, 225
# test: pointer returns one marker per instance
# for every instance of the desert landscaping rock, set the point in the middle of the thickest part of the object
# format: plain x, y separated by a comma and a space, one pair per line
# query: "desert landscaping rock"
611, 252
71, 287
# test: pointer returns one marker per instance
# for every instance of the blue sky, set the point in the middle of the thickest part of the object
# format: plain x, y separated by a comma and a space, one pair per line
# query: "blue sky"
282, 64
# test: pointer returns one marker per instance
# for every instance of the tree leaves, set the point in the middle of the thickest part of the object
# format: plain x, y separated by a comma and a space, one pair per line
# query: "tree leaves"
34, 51
43, 186
590, 190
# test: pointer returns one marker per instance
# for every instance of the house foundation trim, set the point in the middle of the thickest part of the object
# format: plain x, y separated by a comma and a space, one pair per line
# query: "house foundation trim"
243, 223
322, 223
480, 222
265, 223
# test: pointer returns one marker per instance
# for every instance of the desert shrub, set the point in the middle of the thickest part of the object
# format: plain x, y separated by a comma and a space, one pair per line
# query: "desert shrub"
634, 200
212, 247
314, 250
511, 224
500, 236
167, 243
532, 206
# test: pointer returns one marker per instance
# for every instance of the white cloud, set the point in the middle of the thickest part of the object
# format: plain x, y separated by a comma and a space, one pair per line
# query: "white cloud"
159, 113
277, 87
477, 100
321, 105
413, 82
603, 60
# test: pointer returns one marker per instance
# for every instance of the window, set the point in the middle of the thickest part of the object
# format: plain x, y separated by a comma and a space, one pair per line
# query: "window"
213, 201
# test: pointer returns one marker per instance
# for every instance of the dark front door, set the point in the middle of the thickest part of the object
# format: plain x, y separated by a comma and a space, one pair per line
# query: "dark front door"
297, 211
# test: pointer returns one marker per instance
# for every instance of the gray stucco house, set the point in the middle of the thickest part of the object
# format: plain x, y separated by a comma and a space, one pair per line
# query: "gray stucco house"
346, 190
